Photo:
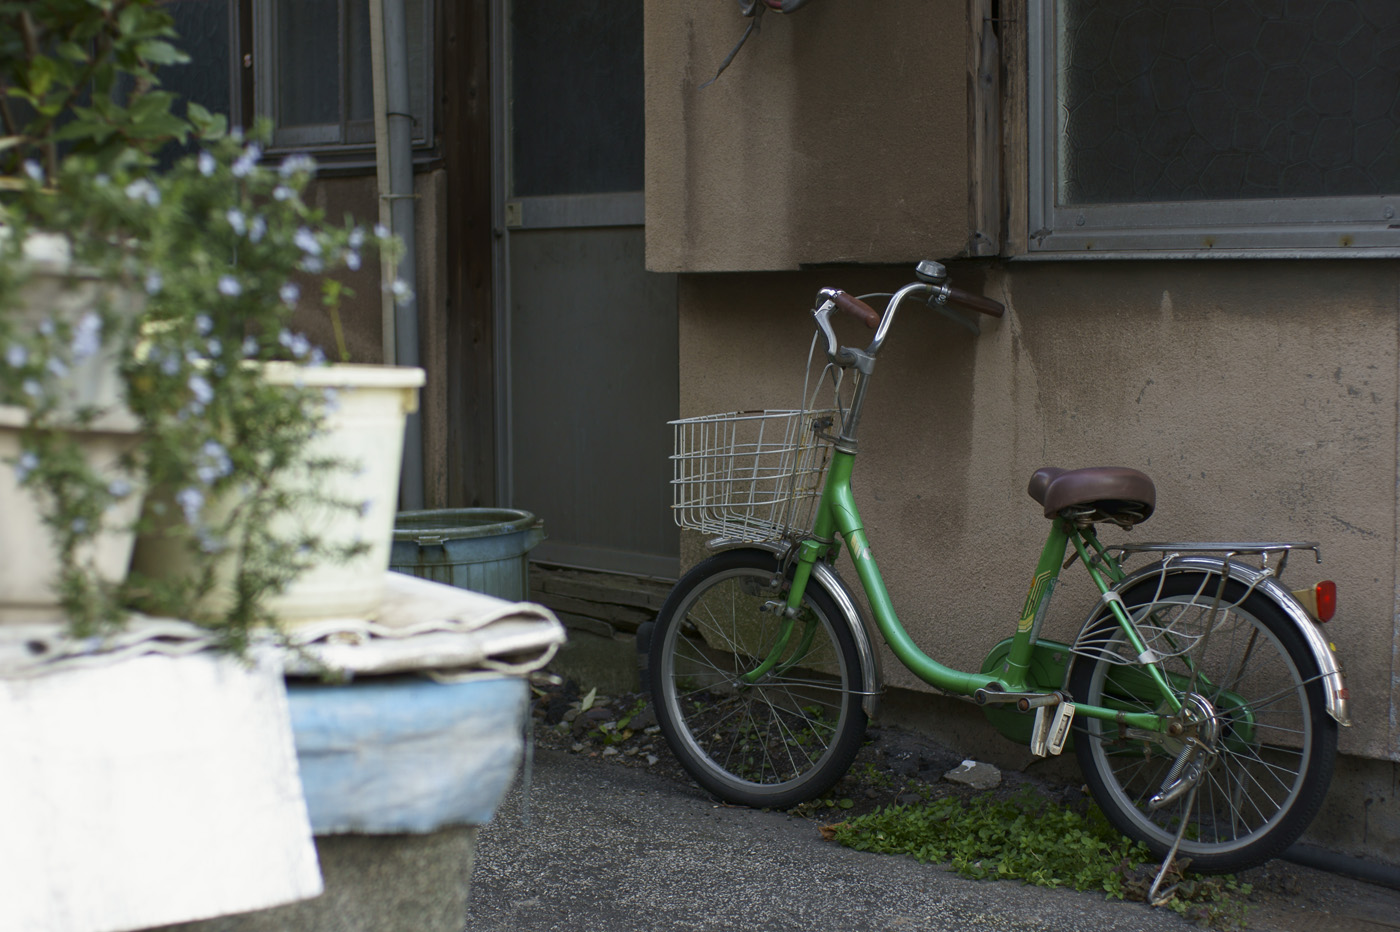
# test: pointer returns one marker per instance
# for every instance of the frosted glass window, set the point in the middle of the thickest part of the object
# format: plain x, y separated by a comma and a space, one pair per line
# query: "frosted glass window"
1225, 127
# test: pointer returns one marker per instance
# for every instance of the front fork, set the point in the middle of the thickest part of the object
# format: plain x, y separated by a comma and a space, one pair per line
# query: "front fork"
790, 611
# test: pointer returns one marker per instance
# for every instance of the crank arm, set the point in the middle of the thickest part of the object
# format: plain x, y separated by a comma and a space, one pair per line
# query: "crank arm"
1023, 701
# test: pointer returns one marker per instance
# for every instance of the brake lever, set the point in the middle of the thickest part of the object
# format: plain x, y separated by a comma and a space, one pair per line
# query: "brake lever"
822, 315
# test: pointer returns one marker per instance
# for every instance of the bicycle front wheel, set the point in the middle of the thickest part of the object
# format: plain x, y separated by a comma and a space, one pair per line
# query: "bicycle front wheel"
1255, 712
761, 710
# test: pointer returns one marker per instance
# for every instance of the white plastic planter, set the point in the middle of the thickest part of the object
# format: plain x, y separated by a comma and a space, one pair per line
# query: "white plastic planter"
365, 430
29, 562
368, 407
29, 565
56, 291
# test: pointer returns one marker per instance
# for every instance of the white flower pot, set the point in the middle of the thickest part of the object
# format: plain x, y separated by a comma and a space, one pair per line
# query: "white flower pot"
91, 385
29, 562
57, 291
365, 430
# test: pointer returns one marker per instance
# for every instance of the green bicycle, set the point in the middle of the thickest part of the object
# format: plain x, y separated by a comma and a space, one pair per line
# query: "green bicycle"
1200, 697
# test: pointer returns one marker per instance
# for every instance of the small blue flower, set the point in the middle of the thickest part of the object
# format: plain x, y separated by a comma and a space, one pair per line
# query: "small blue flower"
79, 526
119, 488
203, 324
250, 347
191, 502
207, 164
209, 542
229, 286
381, 231
199, 388
235, 219
87, 336
352, 261
248, 161
402, 293
307, 242
16, 355
312, 265
32, 388
214, 462
283, 193
357, 238
297, 164
289, 293
34, 170
142, 190
154, 283
56, 367
25, 465
257, 229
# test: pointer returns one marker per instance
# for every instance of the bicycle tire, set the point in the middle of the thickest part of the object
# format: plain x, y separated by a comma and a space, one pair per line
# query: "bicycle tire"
1275, 746
782, 740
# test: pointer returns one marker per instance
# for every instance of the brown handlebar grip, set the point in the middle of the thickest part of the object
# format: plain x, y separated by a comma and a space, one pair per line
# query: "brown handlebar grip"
857, 308
974, 302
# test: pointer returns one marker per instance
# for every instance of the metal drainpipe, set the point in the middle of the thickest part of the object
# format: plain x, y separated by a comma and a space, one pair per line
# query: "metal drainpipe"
393, 144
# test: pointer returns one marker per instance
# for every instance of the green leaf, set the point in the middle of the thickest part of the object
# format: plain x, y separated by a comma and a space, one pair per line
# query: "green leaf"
207, 125
156, 52
73, 52
588, 700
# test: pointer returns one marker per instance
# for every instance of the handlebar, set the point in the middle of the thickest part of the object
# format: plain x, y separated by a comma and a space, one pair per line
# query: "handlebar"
935, 292
973, 302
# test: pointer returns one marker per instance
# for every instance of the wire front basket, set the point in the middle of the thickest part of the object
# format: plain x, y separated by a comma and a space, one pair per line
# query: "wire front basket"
750, 475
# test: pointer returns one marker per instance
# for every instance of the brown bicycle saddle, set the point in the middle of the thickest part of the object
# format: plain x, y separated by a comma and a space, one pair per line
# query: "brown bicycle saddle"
1110, 493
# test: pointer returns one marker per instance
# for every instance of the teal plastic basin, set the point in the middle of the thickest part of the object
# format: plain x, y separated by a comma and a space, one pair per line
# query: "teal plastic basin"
481, 549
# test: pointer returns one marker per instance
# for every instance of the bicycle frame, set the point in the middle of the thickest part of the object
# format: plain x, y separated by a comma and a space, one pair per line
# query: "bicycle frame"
837, 513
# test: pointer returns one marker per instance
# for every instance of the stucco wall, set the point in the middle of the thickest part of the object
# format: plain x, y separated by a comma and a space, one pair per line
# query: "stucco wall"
831, 138
1260, 396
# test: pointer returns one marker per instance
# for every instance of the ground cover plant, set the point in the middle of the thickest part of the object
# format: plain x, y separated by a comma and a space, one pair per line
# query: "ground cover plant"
1039, 840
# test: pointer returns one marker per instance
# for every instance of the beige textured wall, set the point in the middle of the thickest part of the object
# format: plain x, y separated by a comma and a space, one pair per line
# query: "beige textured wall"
1260, 396
831, 137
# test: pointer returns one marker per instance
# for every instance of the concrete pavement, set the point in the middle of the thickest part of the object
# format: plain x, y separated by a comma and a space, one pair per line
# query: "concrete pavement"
608, 847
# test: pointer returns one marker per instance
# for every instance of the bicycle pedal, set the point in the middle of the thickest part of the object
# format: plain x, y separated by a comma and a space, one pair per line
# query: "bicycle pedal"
1040, 733
1059, 728
1051, 729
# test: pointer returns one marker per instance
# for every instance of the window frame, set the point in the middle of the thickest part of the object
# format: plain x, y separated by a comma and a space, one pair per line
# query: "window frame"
349, 139
1247, 227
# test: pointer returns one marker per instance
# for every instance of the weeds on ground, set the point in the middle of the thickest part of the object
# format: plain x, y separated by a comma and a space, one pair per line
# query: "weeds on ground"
1029, 838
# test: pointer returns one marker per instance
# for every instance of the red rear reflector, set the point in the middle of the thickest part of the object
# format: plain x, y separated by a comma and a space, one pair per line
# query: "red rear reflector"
1326, 600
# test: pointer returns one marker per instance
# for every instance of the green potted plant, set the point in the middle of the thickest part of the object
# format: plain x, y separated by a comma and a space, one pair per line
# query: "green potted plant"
185, 282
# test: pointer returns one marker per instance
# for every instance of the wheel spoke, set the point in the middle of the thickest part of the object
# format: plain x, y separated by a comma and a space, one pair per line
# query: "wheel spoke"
1253, 710
789, 733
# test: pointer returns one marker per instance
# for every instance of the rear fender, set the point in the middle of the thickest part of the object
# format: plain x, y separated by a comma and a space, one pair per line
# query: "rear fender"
1264, 583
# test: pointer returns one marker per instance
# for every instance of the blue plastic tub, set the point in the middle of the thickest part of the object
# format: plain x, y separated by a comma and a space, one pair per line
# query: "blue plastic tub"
482, 549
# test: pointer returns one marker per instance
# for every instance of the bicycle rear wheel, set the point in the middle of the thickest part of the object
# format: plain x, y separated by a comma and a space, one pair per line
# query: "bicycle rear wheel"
774, 740
1255, 699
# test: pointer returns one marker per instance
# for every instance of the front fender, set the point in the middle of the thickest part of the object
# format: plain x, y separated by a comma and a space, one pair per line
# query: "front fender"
825, 575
